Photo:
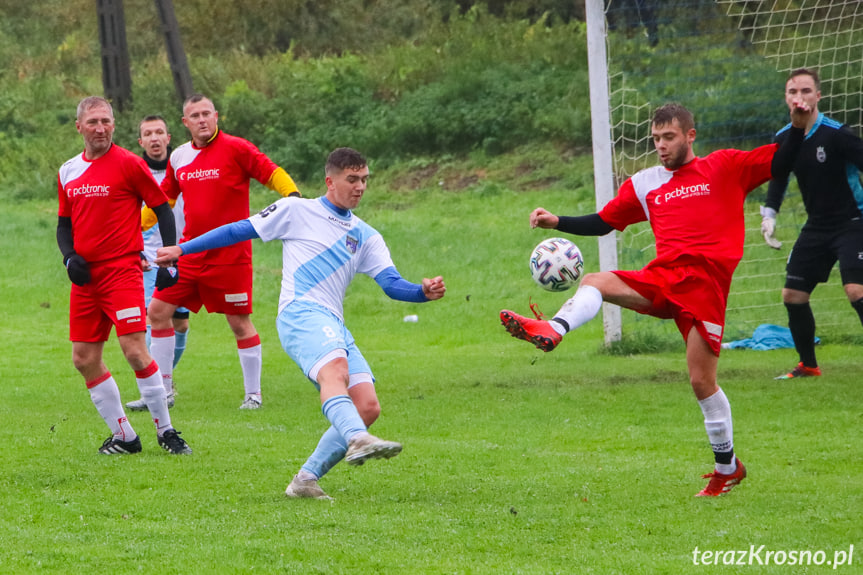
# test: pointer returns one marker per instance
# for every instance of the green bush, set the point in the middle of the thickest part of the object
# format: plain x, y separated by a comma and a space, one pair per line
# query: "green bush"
463, 83
477, 83
439, 78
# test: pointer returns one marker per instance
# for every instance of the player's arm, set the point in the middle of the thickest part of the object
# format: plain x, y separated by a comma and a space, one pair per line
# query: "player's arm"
852, 147
64, 237
282, 183
775, 193
150, 219
76, 266
780, 170
166, 276
398, 288
167, 225
776, 189
786, 154
589, 225
226, 235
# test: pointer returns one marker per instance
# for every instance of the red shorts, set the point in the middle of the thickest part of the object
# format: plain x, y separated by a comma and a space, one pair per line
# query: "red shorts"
220, 288
690, 294
114, 297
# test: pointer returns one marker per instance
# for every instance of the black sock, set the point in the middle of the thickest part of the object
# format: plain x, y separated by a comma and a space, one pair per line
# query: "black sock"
802, 325
858, 307
724, 457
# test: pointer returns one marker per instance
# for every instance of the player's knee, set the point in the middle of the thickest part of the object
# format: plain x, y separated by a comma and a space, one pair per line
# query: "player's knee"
369, 409
703, 385
159, 313
793, 296
854, 292
83, 361
138, 359
242, 326
592, 279
88, 361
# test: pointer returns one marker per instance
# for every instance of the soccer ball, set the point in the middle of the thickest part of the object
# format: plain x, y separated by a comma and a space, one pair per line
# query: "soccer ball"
556, 264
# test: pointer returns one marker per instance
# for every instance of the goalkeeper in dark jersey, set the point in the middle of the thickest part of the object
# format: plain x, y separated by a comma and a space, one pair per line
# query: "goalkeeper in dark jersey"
827, 171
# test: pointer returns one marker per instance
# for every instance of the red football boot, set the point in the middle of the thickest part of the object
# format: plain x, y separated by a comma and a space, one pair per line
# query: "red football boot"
536, 331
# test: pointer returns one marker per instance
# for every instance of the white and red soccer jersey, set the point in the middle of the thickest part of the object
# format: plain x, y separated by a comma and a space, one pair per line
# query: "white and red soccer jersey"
696, 211
103, 198
214, 181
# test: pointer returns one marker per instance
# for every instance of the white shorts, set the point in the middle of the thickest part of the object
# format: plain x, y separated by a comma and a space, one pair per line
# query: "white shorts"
313, 336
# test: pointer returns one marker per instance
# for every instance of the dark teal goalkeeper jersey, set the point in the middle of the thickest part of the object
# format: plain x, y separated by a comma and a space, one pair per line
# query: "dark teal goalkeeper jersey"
828, 174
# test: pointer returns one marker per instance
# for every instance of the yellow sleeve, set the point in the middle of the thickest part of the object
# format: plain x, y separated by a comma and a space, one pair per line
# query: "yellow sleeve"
149, 219
281, 182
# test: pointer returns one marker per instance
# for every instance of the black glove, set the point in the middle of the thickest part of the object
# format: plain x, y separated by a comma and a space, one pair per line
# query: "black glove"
166, 277
78, 270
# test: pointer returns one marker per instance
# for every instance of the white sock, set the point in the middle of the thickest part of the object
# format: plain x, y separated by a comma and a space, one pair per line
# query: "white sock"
251, 361
162, 350
717, 422
106, 397
154, 395
579, 309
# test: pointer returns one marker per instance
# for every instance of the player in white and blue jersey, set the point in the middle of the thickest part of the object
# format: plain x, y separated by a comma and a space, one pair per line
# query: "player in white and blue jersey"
324, 246
155, 139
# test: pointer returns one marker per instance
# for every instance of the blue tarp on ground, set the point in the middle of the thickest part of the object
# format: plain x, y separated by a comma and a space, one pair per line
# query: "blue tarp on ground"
766, 336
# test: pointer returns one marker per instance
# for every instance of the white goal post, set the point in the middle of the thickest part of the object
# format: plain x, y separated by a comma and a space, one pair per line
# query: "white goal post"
603, 152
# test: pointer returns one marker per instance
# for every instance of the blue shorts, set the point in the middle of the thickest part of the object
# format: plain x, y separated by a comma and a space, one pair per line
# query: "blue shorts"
150, 287
313, 336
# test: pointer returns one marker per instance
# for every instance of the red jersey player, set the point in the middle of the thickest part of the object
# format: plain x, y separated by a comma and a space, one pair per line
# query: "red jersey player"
100, 194
213, 171
695, 209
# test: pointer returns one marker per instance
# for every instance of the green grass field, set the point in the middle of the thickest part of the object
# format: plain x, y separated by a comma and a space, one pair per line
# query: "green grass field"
514, 461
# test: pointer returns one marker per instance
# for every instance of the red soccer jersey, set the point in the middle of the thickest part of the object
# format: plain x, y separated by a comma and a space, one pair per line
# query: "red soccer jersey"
103, 197
695, 212
214, 181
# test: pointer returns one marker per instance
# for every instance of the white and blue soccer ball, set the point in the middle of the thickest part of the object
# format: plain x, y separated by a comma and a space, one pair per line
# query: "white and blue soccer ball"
556, 264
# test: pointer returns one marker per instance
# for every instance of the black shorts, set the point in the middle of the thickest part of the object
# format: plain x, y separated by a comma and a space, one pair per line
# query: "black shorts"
816, 251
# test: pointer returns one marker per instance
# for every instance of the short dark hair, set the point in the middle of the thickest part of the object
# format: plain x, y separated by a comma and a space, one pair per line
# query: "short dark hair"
153, 118
194, 99
341, 159
673, 111
806, 72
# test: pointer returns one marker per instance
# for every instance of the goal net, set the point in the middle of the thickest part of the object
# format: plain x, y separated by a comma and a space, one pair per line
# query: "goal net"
727, 60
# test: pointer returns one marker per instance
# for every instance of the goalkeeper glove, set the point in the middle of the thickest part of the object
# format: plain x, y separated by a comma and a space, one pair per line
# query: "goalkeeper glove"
166, 277
78, 270
768, 227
